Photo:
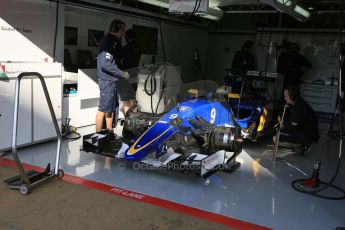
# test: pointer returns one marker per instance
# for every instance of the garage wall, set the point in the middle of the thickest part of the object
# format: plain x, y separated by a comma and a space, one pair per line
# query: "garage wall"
27, 31
321, 48
179, 41
222, 48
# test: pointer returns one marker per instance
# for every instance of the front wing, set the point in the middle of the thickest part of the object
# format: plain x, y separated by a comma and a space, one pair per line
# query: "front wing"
201, 164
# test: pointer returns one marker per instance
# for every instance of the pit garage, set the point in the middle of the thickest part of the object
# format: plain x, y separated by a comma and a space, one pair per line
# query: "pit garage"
236, 120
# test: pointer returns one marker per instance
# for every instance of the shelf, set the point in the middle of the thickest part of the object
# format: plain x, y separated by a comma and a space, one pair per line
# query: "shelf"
70, 95
70, 89
322, 98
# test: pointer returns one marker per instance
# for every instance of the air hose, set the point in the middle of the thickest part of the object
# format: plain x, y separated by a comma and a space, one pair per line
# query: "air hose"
153, 83
309, 186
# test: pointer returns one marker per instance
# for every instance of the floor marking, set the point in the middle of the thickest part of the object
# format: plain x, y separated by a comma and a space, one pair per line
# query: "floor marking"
217, 218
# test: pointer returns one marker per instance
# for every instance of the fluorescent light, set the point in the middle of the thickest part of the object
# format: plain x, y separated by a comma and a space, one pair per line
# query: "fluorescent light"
156, 3
301, 11
289, 7
213, 13
178, 6
285, 2
209, 16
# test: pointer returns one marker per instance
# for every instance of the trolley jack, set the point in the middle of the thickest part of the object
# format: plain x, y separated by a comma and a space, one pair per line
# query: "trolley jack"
314, 180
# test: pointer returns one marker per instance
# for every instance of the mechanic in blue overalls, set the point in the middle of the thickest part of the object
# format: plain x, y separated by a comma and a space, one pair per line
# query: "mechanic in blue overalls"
108, 73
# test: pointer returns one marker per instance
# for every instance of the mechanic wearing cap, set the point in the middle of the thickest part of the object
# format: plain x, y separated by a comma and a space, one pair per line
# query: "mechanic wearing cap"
108, 73
299, 127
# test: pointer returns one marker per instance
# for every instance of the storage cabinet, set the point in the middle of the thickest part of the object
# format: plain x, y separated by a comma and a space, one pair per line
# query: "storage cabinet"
82, 106
6, 112
42, 124
321, 98
34, 119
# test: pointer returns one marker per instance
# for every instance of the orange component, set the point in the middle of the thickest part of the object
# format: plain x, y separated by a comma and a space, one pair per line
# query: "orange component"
233, 95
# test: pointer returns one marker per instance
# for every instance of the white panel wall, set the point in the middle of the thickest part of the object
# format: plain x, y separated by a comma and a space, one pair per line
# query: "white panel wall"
7, 109
27, 31
322, 50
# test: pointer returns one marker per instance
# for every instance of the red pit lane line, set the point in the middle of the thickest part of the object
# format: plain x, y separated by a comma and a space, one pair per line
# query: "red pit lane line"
228, 221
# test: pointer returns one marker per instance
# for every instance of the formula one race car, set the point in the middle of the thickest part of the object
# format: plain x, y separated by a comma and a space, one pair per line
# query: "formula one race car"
255, 107
254, 119
199, 135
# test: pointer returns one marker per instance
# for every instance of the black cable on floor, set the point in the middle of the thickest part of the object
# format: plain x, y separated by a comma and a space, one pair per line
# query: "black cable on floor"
296, 185
316, 193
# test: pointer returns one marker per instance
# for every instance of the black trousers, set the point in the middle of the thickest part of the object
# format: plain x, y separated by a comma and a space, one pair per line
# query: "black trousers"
295, 137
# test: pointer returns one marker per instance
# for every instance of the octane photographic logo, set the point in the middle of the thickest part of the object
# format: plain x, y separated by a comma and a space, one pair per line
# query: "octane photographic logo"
3, 71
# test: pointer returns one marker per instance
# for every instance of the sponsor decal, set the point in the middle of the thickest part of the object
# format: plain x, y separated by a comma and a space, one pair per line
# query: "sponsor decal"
108, 56
212, 161
173, 116
3, 71
137, 147
14, 29
184, 108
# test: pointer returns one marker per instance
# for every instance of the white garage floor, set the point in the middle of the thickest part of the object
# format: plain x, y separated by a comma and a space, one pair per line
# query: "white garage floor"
258, 193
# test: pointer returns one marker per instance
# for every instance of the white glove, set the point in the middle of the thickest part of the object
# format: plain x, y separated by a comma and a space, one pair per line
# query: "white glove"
125, 75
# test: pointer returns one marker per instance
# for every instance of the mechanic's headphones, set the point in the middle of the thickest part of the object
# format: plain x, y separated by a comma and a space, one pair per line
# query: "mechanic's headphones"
115, 26
293, 92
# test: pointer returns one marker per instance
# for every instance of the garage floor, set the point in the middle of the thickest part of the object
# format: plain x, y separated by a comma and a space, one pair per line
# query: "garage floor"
61, 205
256, 196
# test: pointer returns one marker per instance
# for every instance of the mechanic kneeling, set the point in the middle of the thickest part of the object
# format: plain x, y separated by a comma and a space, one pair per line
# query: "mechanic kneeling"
299, 125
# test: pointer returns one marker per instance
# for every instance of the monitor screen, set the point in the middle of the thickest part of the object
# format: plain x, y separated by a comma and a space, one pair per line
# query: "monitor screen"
92, 35
71, 35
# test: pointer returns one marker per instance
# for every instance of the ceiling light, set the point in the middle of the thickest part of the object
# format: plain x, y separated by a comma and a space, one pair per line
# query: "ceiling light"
213, 13
285, 2
301, 11
156, 3
180, 7
289, 7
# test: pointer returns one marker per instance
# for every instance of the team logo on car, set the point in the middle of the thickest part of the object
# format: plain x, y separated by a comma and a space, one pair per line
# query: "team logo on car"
185, 108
